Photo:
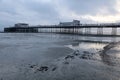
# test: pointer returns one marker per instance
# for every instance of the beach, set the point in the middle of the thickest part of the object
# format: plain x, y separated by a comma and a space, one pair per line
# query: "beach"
25, 56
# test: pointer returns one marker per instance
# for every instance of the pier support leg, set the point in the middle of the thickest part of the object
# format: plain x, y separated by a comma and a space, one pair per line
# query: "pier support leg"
87, 30
99, 31
80, 30
77, 30
114, 31
72, 30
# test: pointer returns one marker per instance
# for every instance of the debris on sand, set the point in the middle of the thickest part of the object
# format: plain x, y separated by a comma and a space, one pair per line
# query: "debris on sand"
54, 68
42, 68
66, 62
32, 66
39, 68
76, 53
69, 57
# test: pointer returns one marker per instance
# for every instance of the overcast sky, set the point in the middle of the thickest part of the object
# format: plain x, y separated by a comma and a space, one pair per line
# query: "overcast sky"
37, 12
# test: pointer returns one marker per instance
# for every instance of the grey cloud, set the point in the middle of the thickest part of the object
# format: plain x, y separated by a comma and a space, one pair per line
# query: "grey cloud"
37, 12
88, 6
6, 7
45, 10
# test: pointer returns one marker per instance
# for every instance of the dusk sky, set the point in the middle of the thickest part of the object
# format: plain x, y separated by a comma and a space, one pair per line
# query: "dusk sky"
36, 12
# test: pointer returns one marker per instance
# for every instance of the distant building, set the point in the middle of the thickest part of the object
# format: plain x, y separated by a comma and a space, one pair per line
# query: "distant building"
73, 23
21, 25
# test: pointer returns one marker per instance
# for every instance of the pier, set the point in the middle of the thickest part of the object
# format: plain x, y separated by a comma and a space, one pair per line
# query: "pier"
80, 29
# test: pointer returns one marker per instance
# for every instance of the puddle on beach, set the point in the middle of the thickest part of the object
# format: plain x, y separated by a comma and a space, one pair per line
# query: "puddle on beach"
110, 59
91, 47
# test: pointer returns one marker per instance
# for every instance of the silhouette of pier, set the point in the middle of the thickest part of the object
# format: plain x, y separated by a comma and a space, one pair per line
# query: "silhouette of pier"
85, 29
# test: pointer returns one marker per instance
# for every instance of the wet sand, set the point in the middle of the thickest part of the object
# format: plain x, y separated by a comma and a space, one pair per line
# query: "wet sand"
52, 57
81, 65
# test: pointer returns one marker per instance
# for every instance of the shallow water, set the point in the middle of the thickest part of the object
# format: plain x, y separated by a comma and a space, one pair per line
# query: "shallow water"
91, 47
21, 49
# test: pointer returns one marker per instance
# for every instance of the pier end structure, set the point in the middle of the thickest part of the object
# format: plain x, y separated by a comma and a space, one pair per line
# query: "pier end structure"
20, 28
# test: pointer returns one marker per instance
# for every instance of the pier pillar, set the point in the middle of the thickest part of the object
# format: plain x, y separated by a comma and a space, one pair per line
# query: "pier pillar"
51, 30
99, 31
77, 30
40, 30
114, 31
87, 30
60, 30
55, 30
68, 30
72, 30
80, 30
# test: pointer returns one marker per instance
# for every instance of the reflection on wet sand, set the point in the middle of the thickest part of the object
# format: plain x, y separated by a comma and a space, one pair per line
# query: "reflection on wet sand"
111, 55
75, 44
83, 38
107, 59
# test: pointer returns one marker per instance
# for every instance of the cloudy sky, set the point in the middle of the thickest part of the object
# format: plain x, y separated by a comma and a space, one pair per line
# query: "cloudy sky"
37, 12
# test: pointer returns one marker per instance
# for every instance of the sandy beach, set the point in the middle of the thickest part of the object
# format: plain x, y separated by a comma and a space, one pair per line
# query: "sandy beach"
45, 56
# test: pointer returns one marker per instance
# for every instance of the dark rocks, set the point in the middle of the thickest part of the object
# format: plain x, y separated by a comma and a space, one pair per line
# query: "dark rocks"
66, 62
69, 57
87, 55
76, 53
84, 57
43, 68
32, 66
54, 68
85, 52
39, 68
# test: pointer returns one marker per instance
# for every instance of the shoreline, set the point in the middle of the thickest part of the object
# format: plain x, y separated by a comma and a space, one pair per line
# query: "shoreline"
90, 35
